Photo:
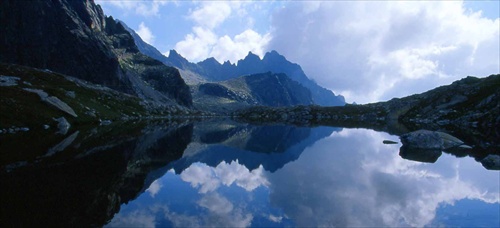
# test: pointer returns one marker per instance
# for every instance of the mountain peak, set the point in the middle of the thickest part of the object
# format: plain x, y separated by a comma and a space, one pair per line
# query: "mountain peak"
251, 56
274, 55
211, 60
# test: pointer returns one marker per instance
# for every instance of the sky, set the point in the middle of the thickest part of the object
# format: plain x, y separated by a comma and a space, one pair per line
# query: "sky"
367, 51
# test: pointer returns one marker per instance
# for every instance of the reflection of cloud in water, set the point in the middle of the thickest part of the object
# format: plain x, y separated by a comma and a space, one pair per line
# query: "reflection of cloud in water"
352, 179
209, 179
223, 213
154, 188
133, 219
220, 212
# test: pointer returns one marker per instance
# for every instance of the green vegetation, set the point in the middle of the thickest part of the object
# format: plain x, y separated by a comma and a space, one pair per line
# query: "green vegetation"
92, 103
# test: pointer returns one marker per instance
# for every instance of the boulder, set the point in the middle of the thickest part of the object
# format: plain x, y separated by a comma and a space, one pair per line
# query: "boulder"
425, 139
63, 125
491, 162
422, 139
449, 141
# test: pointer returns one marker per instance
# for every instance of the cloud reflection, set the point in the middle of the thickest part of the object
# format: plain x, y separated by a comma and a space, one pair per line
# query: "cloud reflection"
208, 179
352, 179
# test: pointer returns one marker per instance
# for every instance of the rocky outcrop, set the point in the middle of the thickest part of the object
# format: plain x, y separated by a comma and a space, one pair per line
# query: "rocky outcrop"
54, 101
425, 139
267, 89
491, 161
75, 38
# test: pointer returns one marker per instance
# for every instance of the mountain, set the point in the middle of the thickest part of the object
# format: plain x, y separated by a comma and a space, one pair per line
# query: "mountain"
468, 109
271, 146
210, 70
266, 89
75, 38
34, 98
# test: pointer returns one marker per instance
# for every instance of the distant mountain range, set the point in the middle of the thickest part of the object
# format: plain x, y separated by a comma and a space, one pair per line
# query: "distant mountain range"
210, 70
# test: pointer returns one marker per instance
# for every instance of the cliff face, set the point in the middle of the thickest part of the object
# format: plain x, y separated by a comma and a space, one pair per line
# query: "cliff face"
268, 89
75, 38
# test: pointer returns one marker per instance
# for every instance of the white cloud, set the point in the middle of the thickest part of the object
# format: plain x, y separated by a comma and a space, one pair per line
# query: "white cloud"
209, 179
205, 40
145, 33
234, 49
211, 14
142, 8
154, 188
371, 51
133, 219
196, 46
363, 182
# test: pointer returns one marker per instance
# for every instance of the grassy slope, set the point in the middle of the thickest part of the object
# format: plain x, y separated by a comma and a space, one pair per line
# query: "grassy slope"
91, 103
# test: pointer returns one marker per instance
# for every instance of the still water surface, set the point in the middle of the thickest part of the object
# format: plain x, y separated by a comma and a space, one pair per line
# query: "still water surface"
239, 175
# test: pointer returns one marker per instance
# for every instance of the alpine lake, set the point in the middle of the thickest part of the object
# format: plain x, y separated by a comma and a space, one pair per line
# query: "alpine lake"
224, 173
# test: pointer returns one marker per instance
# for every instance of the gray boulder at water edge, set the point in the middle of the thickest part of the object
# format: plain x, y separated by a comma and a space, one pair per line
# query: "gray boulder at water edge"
425, 139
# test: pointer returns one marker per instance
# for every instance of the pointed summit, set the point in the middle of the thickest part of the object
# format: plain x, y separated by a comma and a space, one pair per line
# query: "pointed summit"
273, 56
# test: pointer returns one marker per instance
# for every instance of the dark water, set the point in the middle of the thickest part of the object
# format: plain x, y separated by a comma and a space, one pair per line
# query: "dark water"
231, 174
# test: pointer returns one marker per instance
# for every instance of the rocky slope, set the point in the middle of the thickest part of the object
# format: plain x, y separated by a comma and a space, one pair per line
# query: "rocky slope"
75, 38
266, 89
210, 70
468, 109
34, 99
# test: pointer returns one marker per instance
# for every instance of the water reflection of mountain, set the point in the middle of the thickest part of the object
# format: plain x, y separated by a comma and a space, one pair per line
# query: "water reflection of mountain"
85, 184
270, 146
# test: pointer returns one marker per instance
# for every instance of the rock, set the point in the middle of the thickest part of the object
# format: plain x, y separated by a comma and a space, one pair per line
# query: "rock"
389, 142
8, 80
426, 139
105, 122
63, 125
46, 126
71, 94
491, 162
54, 101
449, 141
422, 139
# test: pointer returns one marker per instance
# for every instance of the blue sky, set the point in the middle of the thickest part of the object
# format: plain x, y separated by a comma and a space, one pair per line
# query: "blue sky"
365, 50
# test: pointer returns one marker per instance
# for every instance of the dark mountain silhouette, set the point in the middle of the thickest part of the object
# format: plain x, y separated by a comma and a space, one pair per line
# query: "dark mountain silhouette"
252, 146
76, 39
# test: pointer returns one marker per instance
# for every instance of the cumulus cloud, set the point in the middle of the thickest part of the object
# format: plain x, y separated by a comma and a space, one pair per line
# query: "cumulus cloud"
211, 13
142, 8
234, 49
363, 182
197, 46
145, 33
370, 51
205, 41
